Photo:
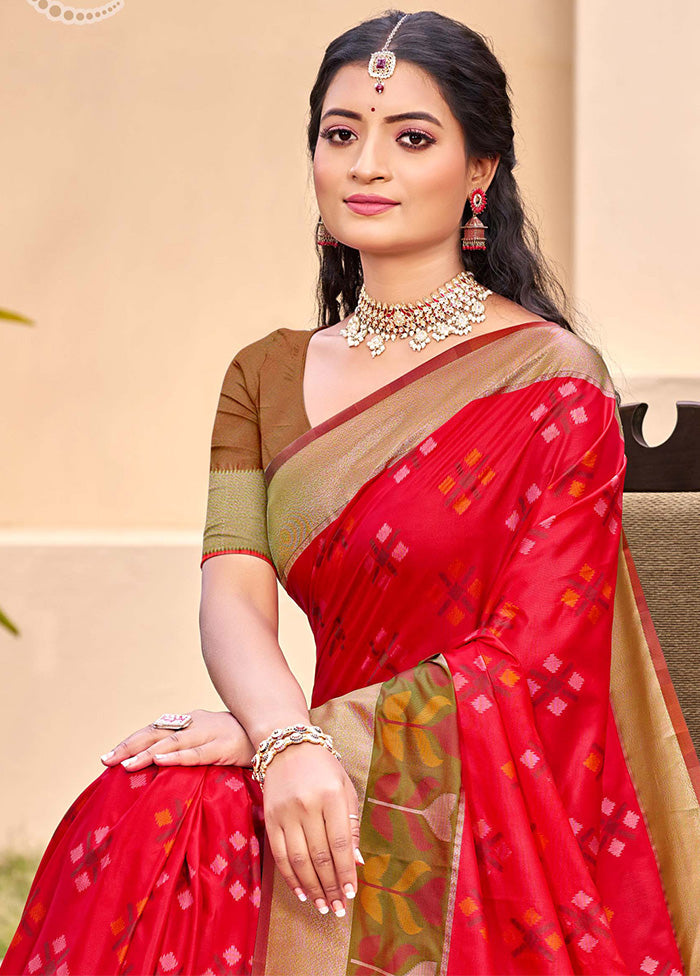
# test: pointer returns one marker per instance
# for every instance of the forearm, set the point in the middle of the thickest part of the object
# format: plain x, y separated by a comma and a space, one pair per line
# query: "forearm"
247, 666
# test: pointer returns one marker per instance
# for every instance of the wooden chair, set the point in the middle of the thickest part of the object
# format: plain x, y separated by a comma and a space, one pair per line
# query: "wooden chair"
661, 523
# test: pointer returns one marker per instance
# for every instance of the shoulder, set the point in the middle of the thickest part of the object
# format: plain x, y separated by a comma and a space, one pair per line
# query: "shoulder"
250, 360
561, 352
254, 353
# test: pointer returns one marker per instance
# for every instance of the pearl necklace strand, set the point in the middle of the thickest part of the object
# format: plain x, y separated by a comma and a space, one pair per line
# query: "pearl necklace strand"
451, 310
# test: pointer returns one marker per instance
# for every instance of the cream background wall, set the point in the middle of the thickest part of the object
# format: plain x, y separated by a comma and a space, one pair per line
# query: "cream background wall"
158, 214
636, 102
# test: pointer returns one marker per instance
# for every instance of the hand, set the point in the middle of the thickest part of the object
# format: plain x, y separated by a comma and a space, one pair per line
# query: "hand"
212, 738
307, 798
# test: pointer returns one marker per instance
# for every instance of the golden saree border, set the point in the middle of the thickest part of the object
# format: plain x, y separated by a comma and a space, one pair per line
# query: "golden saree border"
310, 432
665, 681
408, 832
315, 477
399, 739
659, 754
287, 940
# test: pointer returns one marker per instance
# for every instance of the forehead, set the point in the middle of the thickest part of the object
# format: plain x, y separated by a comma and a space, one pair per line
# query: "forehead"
408, 89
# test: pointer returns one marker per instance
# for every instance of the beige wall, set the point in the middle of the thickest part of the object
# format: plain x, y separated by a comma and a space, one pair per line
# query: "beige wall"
159, 213
636, 207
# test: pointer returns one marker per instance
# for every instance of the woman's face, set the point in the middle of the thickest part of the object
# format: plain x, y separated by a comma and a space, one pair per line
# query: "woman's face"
419, 162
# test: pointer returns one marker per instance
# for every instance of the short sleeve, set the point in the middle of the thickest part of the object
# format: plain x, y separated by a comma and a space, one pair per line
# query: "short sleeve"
236, 519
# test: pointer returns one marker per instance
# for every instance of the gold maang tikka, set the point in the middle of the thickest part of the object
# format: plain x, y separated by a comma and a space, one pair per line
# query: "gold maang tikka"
382, 63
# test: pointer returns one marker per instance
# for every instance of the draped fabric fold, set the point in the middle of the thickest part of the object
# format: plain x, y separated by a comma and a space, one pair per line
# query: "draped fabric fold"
483, 525
487, 667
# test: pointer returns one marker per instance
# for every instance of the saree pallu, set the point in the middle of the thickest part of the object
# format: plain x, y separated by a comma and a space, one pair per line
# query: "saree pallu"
486, 665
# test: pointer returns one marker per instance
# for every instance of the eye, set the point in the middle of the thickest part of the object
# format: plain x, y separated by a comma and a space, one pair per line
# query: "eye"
327, 133
421, 135
411, 133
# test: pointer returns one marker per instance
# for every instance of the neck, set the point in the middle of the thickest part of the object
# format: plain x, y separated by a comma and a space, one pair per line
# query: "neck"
399, 279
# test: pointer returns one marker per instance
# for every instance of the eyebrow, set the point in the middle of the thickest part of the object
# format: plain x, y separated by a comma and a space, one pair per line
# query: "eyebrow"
401, 117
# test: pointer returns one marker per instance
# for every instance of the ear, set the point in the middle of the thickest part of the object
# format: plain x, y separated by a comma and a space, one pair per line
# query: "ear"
482, 170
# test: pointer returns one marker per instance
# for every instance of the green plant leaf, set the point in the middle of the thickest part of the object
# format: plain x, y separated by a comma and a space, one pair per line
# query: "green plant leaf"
6, 622
5, 313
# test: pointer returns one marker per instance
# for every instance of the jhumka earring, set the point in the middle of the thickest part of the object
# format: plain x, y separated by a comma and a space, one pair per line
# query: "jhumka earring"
382, 63
323, 236
474, 238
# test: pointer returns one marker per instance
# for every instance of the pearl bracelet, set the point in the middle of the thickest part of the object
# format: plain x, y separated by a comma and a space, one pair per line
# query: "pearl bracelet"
279, 739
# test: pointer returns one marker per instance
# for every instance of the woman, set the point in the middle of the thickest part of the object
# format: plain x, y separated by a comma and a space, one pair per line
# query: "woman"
446, 510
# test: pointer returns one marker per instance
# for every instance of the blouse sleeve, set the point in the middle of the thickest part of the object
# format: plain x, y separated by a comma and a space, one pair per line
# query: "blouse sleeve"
236, 519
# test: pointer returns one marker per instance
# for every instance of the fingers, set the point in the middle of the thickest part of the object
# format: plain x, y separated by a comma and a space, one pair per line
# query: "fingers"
297, 866
213, 738
293, 861
315, 849
354, 817
331, 845
179, 747
133, 744
203, 754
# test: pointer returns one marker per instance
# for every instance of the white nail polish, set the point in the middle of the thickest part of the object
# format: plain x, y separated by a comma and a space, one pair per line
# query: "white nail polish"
358, 856
129, 761
107, 755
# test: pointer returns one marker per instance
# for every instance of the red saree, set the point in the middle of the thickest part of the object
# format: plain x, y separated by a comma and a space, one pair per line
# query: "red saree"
486, 665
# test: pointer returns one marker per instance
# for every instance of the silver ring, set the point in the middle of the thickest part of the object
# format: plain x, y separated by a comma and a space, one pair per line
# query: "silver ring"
353, 816
172, 720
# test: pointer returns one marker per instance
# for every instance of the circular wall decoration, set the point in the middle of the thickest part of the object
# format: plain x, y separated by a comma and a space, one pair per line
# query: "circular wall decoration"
64, 13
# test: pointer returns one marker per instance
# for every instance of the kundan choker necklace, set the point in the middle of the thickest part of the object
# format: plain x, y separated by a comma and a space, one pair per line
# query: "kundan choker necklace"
451, 310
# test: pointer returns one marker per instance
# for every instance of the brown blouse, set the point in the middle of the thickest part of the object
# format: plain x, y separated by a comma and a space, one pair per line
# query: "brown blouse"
260, 411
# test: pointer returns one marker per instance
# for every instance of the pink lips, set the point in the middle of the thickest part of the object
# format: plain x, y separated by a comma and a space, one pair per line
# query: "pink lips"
365, 204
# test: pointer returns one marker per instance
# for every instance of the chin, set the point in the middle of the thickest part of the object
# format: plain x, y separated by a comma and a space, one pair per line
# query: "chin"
377, 242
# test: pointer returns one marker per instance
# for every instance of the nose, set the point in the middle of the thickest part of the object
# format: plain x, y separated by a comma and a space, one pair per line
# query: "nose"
369, 164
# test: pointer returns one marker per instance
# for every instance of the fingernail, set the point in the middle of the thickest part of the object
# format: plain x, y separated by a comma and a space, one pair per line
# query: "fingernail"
349, 890
322, 907
107, 755
160, 755
300, 894
129, 761
338, 909
358, 856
